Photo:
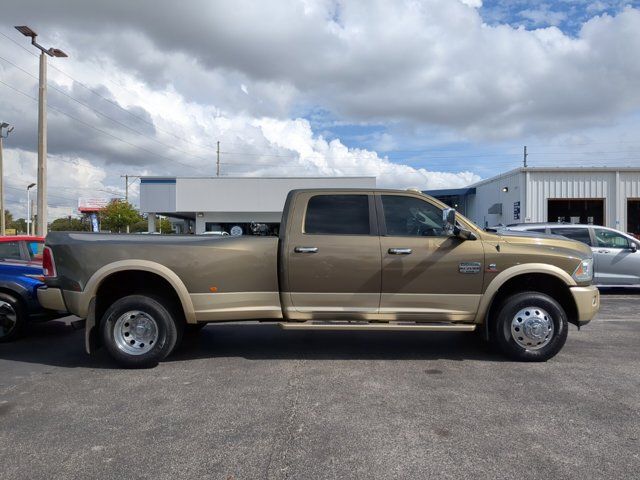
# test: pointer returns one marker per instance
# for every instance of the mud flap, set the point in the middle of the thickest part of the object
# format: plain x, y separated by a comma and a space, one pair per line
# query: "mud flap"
91, 340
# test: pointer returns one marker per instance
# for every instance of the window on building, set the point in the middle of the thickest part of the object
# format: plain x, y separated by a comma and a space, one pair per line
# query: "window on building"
610, 239
10, 251
338, 215
579, 234
411, 217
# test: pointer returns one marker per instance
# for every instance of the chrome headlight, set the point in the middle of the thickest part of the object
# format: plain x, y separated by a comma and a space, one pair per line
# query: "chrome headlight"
584, 272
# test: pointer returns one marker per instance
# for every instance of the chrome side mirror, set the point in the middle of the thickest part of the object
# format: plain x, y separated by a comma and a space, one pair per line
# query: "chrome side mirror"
449, 220
633, 247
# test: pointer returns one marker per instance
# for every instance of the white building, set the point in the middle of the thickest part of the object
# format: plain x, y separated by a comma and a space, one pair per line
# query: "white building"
601, 195
221, 203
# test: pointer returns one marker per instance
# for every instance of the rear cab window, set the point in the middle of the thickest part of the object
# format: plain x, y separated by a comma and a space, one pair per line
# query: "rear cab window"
10, 251
338, 215
580, 234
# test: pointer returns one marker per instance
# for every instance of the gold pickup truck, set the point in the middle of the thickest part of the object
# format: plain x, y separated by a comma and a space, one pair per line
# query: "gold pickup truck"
344, 260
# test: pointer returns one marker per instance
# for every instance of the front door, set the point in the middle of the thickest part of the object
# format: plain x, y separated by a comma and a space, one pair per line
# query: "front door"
616, 263
426, 274
333, 258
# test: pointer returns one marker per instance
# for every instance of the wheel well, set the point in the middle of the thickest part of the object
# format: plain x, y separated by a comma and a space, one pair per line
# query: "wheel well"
550, 285
15, 295
136, 282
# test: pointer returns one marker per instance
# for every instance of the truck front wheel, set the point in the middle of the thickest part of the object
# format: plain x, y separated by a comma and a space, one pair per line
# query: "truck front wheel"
139, 331
530, 326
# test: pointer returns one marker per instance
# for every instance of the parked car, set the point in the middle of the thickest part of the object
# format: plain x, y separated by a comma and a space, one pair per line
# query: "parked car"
615, 254
346, 259
20, 276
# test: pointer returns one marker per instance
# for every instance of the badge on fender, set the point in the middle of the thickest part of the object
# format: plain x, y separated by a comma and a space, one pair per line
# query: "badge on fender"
469, 267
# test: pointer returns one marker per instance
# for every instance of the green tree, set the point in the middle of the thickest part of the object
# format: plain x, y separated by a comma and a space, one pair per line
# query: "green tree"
118, 215
68, 224
163, 225
141, 226
20, 225
8, 219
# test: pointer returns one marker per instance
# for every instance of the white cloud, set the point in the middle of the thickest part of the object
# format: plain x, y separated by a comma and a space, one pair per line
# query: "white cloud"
245, 73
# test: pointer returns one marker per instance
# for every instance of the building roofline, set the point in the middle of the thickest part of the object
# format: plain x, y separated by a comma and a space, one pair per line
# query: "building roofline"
152, 177
555, 169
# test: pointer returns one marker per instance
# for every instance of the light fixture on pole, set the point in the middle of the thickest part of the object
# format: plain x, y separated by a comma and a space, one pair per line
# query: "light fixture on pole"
42, 125
29, 187
5, 130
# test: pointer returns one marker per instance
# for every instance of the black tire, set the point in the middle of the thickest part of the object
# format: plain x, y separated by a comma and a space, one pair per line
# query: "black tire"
13, 318
167, 328
537, 307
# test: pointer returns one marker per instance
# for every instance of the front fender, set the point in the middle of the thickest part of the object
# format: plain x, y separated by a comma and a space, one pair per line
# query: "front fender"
512, 272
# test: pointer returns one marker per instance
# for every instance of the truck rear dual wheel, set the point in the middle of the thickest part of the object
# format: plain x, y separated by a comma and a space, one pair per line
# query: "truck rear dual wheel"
139, 331
530, 326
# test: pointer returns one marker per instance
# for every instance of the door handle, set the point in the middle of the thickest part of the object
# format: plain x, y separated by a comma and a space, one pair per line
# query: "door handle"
603, 251
400, 251
306, 249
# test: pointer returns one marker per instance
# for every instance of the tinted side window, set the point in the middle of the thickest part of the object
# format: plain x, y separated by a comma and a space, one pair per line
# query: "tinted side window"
579, 234
10, 251
35, 250
609, 239
338, 215
411, 217
538, 230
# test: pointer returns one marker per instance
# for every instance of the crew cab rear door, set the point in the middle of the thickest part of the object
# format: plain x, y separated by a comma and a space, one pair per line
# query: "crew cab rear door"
331, 256
426, 274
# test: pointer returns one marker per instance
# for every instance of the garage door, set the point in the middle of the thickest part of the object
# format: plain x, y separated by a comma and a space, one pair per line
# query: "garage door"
633, 216
576, 210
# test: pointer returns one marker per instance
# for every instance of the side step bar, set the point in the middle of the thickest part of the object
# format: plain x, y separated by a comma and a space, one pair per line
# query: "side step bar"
391, 326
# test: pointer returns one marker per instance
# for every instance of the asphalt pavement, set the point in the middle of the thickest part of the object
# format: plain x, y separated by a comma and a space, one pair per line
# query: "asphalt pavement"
254, 402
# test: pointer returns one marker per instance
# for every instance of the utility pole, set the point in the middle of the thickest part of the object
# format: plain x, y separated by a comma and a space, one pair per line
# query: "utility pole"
126, 187
218, 160
5, 130
525, 156
41, 226
29, 207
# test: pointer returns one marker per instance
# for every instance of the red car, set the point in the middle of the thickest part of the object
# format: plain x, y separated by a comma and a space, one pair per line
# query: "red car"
21, 248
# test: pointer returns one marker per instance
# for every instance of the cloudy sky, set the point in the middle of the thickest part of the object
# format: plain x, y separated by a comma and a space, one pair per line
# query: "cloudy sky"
419, 93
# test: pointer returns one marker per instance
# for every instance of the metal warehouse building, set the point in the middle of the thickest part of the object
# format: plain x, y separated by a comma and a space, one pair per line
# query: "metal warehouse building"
600, 195
236, 205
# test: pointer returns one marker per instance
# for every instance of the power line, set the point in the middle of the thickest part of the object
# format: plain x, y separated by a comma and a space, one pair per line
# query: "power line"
115, 104
61, 91
100, 130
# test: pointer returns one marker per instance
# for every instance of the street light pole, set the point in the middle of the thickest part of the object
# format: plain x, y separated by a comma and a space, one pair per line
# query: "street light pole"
29, 187
41, 227
5, 130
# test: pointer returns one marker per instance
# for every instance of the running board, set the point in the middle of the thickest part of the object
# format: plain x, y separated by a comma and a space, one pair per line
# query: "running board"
391, 326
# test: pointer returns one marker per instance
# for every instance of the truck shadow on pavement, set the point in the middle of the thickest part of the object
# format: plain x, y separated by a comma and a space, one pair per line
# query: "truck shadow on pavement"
268, 341
58, 344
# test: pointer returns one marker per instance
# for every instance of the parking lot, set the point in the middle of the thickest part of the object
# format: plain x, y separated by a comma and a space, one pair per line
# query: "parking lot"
246, 402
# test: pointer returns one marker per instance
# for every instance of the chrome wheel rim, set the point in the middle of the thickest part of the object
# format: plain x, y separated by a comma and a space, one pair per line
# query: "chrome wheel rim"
532, 328
8, 318
135, 332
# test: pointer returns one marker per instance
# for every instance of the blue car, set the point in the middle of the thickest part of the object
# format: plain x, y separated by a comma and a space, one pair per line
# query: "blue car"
20, 277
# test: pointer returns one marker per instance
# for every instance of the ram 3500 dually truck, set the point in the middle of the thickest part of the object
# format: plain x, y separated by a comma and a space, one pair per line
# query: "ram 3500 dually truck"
344, 260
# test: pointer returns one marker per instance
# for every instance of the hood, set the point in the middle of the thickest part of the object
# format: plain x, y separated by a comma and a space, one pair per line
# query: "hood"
552, 242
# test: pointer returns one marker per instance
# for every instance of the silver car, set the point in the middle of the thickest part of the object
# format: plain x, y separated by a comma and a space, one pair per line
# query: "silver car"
615, 254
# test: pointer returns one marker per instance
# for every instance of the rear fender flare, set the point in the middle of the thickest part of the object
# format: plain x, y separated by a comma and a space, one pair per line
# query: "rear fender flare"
167, 274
